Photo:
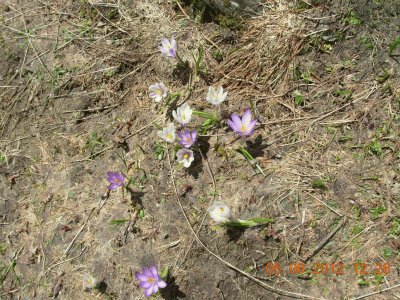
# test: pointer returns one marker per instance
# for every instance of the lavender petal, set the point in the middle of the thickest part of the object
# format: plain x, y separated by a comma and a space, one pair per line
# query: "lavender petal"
165, 43
145, 284
148, 292
141, 277
246, 118
161, 284
173, 43
147, 272
238, 122
233, 126
155, 288
153, 270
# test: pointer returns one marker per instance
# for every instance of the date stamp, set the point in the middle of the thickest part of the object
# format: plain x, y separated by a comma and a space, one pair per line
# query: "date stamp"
274, 268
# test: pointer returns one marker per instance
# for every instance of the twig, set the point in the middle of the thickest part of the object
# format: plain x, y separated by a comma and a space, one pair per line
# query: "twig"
209, 171
287, 120
339, 214
61, 262
94, 154
356, 236
35, 51
170, 245
325, 240
214, 191
182, 10
143, 128
344, 106
303, 232
205, 214
134, 71
76, 236
212, 43
377, 292
15, 290
91, 109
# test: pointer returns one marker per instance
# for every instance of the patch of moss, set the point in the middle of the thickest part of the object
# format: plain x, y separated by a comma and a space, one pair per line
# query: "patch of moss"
318, 184
204, 13
228, 21
201, 11
217, 55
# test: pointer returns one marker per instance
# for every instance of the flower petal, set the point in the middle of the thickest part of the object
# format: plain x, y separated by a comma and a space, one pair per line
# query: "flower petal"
121, 179
238, 122
161, 134
153, 94
246, 118
233, 126
145, 284
173, 43
194, 136
163, 50
165, 43
141, 277
147, 272
224, 95
154, 288
153, 270
250, 129
161, 284
148, 292
153, 87
171, 52
174, 114
219, 91
252, 124
187, 163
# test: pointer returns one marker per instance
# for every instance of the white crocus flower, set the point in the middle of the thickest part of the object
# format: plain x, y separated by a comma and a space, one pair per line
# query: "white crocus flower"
219, 212
89, 282
168, 133
183, 114
216, 96
185, 157
158, 91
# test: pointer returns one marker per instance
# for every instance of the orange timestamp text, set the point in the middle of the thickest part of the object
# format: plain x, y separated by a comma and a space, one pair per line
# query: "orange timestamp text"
274, 268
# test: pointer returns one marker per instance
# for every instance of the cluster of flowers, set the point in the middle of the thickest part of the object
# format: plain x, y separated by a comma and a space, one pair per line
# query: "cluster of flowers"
186, 138
149, 278
242, 126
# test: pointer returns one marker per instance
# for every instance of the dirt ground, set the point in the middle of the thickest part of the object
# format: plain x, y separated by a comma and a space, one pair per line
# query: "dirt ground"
322, 78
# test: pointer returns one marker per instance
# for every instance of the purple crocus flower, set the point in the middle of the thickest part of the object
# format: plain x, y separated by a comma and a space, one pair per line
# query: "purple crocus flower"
150, 280
187, 138
244, 126
168, 48
115, 179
